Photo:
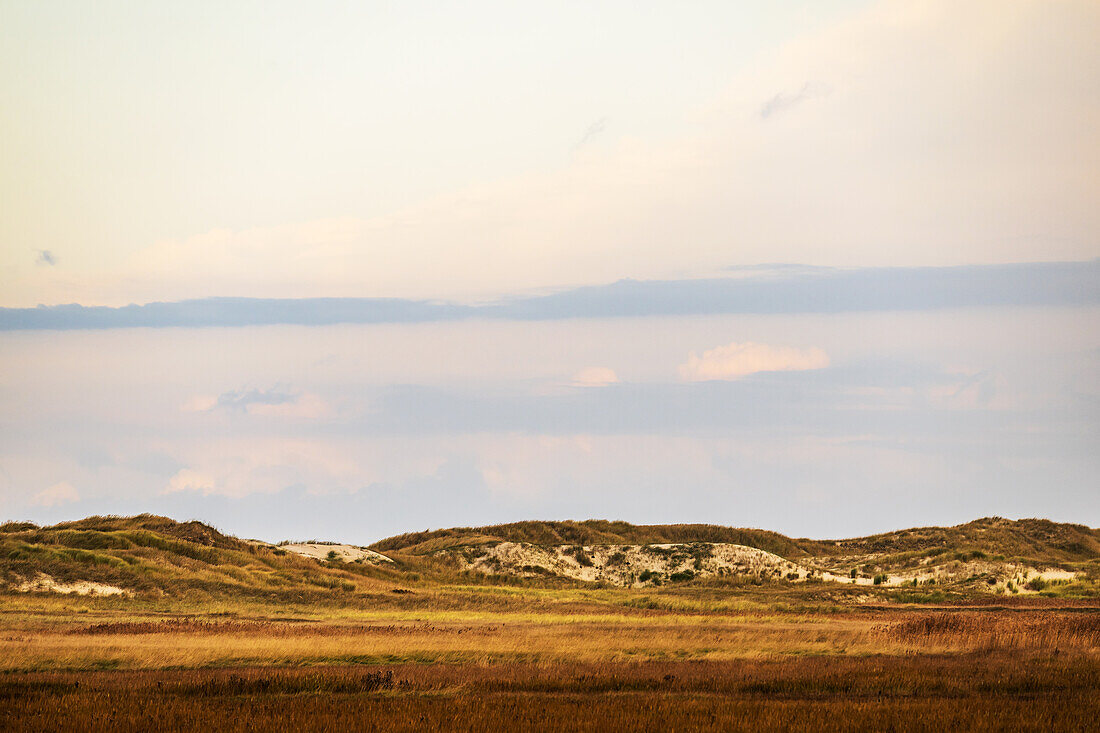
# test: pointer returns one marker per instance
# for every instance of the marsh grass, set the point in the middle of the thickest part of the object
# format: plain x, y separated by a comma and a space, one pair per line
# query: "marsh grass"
966, 692
1033, 630
540, 659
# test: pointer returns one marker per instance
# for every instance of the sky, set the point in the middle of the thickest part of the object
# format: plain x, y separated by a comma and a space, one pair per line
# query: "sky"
343, 270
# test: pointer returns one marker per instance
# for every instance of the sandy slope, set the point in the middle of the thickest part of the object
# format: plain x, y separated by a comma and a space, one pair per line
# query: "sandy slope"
346, 553
640, 565
42, 582
633, 565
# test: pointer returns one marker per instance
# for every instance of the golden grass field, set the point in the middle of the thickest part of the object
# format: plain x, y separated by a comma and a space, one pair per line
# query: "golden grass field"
483, 658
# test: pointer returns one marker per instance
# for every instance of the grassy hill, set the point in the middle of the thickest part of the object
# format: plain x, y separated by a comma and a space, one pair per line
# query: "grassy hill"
159, 557
1038, 540
990, 555
589, 532
154, 555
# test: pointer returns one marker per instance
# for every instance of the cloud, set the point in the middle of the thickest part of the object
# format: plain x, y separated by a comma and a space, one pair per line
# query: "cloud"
46, 257
784, 102
239, 463
272, 403
189, 480
60, 493
593, 130
741, 359
306, 405
803, 289
897, 394
974, 390
200, 403
773, 288
244, 399
595, 377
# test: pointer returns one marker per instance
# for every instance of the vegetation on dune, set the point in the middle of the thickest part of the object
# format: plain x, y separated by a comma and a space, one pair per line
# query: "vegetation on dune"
1032, 539
991, 555
589, 532
157, 556
192, 531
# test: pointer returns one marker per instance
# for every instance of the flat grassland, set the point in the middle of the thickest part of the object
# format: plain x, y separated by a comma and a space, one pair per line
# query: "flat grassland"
477, 657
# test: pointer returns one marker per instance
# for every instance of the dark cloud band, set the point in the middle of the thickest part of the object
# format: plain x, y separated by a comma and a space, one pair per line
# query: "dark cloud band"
758, 290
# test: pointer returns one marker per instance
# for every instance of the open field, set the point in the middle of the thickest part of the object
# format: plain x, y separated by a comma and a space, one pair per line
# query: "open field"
998, 692
589, 661
212, 633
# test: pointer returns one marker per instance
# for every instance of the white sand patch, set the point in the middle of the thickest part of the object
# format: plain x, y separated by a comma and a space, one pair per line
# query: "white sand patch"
846, 579
345, 553
629, 565
45, 583
1052, 574
1021, 576
954, 572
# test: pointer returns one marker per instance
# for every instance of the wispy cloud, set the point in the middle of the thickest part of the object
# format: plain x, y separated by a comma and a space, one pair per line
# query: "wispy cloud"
189, 480
274, 402
244, 399
305, 406
785, 102
593, 130
741, 359
241, 464
595, 377
60, 493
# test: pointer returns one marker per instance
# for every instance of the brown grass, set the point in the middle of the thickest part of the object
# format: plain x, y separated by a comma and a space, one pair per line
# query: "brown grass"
1034, 630
983, 692
594, 667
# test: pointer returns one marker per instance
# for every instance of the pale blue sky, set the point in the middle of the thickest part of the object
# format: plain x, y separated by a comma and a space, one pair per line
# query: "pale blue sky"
822, 267
359, 431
